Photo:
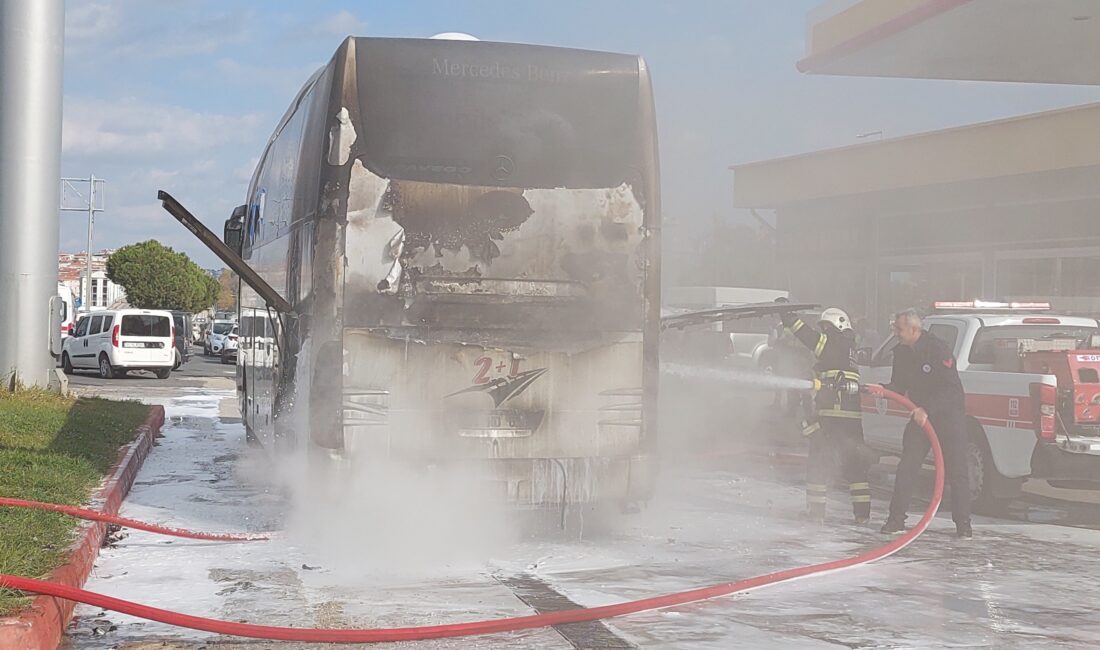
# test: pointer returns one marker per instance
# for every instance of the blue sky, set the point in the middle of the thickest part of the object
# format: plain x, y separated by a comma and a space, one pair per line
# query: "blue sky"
182, 94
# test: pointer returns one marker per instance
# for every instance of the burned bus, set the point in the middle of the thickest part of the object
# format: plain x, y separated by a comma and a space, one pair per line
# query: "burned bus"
463, 237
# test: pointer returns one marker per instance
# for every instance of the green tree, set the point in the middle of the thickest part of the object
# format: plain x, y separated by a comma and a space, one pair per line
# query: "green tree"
157, 277
227, 290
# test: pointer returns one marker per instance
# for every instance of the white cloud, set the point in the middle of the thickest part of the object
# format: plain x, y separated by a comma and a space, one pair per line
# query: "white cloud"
90, 21
203, 34
141, 147
285, 81
134, 128
340, 24
121, 31
243, 174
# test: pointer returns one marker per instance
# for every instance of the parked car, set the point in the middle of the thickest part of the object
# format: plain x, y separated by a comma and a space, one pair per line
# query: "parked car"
115, 342
215, 337
182, 322
229, 348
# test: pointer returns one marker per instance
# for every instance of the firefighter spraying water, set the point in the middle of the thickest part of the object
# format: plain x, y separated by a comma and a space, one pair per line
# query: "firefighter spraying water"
833, 419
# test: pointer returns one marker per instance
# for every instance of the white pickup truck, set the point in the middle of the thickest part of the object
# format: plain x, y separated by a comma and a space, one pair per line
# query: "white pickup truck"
1019, 427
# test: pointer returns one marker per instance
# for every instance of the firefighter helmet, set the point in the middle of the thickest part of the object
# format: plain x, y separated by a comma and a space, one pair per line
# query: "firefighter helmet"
838, 318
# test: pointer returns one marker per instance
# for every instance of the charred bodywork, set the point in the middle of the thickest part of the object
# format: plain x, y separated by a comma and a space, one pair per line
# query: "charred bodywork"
467, 234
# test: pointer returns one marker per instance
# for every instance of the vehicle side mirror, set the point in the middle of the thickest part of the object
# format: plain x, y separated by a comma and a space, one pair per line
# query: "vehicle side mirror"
233, 234
863, 356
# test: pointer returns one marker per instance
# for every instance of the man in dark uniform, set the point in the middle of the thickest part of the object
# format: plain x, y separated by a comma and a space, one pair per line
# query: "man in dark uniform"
924, 371
834, 420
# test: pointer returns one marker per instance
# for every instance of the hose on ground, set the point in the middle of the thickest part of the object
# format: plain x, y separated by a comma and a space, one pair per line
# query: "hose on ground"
503, 624
95, 515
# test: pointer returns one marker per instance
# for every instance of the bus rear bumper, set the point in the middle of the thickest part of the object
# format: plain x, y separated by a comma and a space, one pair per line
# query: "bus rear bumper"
548, 482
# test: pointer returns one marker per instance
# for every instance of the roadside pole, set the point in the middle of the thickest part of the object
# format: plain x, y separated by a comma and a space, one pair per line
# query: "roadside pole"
31, 56
88, 206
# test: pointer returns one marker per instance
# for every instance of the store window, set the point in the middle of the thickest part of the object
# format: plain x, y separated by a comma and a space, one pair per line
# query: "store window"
918, 286
1080, 277
1022, 278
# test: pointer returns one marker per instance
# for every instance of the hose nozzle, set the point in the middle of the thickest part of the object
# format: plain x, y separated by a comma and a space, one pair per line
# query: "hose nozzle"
848, 387
840, 385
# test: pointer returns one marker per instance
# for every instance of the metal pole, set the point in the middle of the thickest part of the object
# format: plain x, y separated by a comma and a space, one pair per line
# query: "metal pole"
31, 54
88, 296
89, 207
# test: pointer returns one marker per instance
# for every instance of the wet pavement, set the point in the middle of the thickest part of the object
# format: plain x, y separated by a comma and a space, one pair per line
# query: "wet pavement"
1020, 583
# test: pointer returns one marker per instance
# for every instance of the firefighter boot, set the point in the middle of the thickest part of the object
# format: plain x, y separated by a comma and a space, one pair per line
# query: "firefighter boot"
861, 501
815, 503
893, 526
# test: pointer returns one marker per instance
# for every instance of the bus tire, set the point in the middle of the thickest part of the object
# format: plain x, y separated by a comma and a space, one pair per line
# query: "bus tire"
990, 491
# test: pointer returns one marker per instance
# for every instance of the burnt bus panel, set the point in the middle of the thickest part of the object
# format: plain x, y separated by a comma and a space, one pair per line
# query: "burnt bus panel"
279, 226
497, 114
430, 207
449, 403
571, 269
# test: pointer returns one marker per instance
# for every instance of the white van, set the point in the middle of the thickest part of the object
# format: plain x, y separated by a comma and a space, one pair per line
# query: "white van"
114, 342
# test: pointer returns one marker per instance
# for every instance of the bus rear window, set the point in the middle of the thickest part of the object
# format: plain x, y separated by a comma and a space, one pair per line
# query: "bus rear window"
989, 341
144, 325
498, 114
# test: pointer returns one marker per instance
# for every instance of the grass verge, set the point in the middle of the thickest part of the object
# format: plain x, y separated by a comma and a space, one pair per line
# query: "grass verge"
54, 449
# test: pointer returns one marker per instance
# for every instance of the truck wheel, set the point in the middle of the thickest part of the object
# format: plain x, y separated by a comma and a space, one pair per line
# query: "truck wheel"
66, 364
986, 491
162, 373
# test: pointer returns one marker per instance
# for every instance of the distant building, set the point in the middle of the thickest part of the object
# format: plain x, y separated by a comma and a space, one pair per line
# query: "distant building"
1001, 210
72, 271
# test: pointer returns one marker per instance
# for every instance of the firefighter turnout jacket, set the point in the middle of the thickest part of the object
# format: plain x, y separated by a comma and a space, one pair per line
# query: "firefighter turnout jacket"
835, 355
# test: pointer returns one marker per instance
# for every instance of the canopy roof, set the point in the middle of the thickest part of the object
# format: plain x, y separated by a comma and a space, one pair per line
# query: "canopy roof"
1043, 41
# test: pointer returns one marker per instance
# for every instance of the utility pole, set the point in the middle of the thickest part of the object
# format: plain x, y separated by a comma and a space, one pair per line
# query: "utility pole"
31, 54
91, 209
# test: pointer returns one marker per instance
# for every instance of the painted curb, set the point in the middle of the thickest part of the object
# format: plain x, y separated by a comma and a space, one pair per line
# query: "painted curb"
41, 626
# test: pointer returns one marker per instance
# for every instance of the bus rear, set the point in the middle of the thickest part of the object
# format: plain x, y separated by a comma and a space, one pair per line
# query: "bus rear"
500, 282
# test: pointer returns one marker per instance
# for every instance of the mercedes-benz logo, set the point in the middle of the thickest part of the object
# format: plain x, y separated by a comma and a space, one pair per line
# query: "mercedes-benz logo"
503, 167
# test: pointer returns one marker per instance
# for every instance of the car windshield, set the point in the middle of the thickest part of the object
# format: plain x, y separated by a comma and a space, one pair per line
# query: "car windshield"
146, 325
222, 328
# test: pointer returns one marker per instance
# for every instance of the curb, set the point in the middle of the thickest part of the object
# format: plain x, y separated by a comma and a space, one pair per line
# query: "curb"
42, 624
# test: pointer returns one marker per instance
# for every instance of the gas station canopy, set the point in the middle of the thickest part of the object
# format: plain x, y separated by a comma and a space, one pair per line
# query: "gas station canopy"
1042, 41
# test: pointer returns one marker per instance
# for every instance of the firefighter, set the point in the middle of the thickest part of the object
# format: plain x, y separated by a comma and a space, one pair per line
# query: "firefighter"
924, 370
834, 421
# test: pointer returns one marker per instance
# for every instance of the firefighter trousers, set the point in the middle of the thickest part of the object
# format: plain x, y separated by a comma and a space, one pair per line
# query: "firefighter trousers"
951, 429
839, 443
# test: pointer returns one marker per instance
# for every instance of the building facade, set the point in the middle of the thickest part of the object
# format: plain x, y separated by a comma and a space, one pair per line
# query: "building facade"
72, 274
1000, 210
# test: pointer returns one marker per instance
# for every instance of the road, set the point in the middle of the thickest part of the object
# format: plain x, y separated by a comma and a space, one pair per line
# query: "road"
1016, 585
198, 372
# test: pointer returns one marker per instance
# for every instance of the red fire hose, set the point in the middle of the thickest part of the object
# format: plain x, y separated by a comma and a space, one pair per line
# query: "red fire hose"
503, 624
95, 515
